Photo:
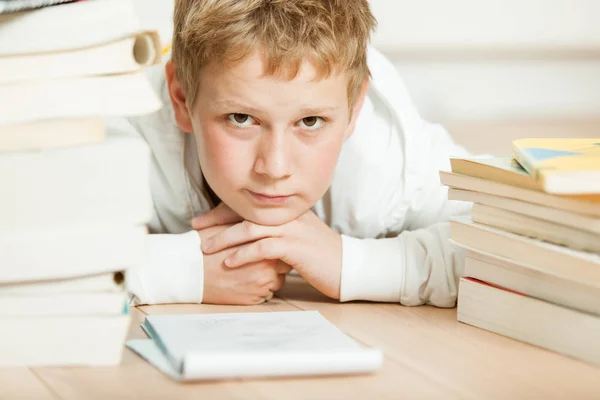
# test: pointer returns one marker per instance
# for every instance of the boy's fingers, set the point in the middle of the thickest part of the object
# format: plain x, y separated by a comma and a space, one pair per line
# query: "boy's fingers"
238, 234
265, 249
283, 268
221, 215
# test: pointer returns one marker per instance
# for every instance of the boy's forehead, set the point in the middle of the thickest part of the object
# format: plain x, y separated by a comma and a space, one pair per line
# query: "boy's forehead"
246, 77
253, 67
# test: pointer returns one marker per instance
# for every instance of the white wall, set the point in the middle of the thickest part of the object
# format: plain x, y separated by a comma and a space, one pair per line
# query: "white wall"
487, 24
491, 60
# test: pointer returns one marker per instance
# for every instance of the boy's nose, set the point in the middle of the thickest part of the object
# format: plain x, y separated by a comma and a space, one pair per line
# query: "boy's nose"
273, 159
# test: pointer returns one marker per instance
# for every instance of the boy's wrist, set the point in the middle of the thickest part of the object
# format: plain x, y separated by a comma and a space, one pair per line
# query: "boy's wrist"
370, 270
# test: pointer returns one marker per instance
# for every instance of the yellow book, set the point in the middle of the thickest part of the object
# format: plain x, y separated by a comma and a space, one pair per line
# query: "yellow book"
561, 166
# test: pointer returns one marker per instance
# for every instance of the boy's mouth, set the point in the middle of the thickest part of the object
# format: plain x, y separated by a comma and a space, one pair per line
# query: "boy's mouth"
264, 198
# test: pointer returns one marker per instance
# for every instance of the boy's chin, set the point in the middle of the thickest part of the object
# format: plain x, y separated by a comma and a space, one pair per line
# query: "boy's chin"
270, 216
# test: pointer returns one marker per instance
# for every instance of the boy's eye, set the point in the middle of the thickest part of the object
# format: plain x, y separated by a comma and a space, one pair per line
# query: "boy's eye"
241, 119
311, 122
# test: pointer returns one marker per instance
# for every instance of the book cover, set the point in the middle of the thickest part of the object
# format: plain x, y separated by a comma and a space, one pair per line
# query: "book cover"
530, 320
243, 345
105, 183
67, 26
575, 204
10, 6
70, 340
507, 170
563, 165
522, 278
562, 218
536, 228
499, 169
574, 265
126, 54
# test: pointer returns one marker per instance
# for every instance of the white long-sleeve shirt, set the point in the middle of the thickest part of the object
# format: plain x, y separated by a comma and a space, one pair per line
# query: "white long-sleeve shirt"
385, 200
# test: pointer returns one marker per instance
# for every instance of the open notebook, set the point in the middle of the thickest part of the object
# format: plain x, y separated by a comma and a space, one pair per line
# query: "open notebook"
220, 346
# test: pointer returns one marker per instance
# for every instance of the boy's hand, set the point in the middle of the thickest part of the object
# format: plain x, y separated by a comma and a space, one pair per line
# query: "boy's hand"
306, 244
252, 283
220, 215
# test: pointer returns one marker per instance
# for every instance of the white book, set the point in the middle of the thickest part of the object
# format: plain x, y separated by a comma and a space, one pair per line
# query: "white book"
8, 6
536, 228
103, 95
53, 133
242, 345
110, 282
67, 26
67, 253
62, 341
564, 330
512, 275
106, 183
557, 216
126, 54
60, 305
561, 261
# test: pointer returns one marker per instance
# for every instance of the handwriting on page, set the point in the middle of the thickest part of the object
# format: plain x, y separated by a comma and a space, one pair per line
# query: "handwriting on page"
249, 332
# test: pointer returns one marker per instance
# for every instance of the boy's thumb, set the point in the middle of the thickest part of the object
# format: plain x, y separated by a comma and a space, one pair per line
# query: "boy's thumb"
221, 215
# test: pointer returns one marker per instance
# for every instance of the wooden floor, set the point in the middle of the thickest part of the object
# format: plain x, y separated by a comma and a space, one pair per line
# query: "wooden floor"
428, 354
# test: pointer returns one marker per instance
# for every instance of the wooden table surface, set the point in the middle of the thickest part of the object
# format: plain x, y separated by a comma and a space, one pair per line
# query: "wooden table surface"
428, 354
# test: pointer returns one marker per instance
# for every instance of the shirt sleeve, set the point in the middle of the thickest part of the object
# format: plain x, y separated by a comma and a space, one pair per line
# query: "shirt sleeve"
172, 273
415, 263
414, 268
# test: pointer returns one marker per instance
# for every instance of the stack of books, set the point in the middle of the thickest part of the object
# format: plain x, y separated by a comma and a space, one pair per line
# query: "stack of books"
75, 202
532, 270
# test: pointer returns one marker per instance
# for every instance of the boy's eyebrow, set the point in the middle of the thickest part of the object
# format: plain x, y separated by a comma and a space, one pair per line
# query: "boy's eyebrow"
318, 110
234, 104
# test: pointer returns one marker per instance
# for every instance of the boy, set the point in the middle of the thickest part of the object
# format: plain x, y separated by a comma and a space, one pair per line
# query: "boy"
304, 144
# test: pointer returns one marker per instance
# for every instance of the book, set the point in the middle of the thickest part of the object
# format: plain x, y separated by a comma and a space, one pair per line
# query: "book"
557, 216
562, 166
536, 228
242, 345
45, 30
122, 55
105, 95
505, 170
59, 253
8, 6
49, 134
550, 326
499, 169
574, 205
522, 278
105, 183
561, 261
56, 305
110, 282
62, 341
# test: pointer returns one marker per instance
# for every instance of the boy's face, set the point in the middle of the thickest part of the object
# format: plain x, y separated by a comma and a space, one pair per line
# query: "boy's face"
268, 147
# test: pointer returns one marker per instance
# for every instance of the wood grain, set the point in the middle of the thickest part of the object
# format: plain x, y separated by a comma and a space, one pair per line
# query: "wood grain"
471, 361
22, 383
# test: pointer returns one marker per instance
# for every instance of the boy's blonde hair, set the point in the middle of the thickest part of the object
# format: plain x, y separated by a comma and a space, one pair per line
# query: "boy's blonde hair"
332, 34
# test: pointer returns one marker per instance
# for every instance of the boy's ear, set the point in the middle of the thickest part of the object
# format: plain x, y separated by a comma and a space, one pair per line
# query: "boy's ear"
357, 107
182, 114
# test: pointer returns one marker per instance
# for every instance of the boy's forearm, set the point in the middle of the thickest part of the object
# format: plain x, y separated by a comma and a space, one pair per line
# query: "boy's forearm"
414, 268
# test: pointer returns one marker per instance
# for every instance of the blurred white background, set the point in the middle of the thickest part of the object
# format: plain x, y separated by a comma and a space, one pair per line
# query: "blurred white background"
489, 70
